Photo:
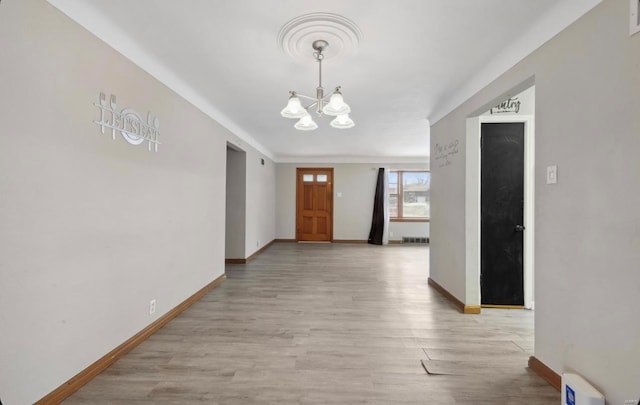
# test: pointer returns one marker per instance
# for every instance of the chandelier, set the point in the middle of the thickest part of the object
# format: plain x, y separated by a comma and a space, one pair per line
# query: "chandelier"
332, 104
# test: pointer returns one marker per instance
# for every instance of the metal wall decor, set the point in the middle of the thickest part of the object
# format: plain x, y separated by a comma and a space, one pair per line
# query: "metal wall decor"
128, 122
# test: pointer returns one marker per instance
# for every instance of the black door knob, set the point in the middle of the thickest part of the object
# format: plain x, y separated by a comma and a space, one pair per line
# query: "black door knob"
519, 228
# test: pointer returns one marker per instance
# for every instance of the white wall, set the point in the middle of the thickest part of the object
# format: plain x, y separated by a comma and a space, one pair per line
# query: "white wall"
447, 227
356, 183
235, 204
286, 201
399, 229
588, 225
261, 202
93, 228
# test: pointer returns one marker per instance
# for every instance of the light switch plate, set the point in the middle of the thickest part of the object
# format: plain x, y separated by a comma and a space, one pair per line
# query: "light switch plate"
552, 174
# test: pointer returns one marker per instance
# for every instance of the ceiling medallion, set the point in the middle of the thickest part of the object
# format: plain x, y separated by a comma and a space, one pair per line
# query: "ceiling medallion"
296, 37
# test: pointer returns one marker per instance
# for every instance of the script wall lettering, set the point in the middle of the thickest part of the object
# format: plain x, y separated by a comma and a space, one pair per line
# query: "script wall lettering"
511, 105
445, 154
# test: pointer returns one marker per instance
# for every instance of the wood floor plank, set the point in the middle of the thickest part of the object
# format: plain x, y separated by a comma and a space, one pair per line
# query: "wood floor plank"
328, 323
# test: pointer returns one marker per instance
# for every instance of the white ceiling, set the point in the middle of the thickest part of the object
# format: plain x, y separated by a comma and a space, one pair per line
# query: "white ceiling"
417, 60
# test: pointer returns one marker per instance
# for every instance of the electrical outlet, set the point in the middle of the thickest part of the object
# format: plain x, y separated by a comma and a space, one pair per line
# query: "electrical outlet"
152, 307
257, 243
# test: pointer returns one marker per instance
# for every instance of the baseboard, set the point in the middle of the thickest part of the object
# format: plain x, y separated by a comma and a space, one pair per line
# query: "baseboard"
465, 309
253, 256
456, 302
285, 240
502, 306
391, 242
471, 309
75, 383
257, 252
545, 372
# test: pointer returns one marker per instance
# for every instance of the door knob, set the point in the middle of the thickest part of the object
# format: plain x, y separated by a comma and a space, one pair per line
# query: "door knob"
519, 228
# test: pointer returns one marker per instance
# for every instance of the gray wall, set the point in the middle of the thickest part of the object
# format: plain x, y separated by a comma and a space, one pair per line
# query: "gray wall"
93, 228
235, 204
261, 202
356, 182
588, 225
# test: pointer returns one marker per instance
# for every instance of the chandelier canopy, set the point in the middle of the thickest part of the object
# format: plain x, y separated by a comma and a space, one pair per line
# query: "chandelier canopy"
331, 104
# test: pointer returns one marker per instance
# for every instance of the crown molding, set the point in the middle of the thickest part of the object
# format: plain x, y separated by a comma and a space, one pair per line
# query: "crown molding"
422, 160
83, 13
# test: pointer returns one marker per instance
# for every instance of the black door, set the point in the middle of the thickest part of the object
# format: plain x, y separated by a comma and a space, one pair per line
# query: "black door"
502, 214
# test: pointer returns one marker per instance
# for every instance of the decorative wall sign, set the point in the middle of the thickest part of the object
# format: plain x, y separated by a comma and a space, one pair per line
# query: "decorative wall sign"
511, 105
445, 154
522, 103
128, 122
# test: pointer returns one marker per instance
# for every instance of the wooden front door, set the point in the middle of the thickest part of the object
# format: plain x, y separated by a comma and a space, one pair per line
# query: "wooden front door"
314, 205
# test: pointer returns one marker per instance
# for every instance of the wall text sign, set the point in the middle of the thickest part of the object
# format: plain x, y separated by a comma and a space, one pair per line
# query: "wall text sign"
511, 105
128, 123
444, 154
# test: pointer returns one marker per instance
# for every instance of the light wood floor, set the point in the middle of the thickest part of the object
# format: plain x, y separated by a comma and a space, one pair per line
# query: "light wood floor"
329, 323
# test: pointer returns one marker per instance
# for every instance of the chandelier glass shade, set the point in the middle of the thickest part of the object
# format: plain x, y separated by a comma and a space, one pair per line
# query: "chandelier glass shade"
306, 123
331, 104
294, 108
342, 121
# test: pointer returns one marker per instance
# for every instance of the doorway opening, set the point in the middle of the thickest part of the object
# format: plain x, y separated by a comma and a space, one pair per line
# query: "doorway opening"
236, 192
500, 255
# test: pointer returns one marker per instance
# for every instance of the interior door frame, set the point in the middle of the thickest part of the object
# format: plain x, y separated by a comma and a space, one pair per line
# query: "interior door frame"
472, 205
330, 170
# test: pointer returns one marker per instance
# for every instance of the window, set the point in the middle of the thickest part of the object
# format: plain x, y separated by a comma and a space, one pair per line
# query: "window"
409, 193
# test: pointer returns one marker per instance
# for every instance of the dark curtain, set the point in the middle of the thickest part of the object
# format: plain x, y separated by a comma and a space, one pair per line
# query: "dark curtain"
377, 223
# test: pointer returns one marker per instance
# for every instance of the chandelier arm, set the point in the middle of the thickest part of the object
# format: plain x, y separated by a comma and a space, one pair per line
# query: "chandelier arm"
334, 91
310, 105
307, 97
